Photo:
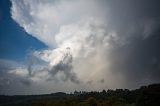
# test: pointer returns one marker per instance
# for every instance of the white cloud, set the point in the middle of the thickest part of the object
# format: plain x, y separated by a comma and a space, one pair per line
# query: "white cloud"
19, 71
78, 32
42, 19
81, 36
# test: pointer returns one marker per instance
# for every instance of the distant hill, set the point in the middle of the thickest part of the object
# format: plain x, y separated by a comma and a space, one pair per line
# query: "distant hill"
144, 96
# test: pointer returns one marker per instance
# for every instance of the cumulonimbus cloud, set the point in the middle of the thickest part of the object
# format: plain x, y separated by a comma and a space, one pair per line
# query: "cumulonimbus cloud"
88, 42
82, 35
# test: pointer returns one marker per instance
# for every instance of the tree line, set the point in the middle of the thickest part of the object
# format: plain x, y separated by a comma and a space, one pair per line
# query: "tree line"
144, 96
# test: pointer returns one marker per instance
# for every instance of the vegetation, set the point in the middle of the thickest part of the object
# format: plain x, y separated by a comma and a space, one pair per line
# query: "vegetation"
144, 96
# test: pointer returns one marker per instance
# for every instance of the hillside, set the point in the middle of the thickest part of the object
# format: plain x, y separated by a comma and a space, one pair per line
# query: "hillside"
144, 96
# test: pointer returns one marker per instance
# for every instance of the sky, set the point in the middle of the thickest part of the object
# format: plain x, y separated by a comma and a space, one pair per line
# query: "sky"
84, 45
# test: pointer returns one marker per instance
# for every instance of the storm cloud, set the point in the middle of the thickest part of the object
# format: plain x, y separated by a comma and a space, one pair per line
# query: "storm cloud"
92, 45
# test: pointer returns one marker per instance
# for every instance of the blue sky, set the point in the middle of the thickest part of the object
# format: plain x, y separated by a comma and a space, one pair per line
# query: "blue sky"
15, 43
